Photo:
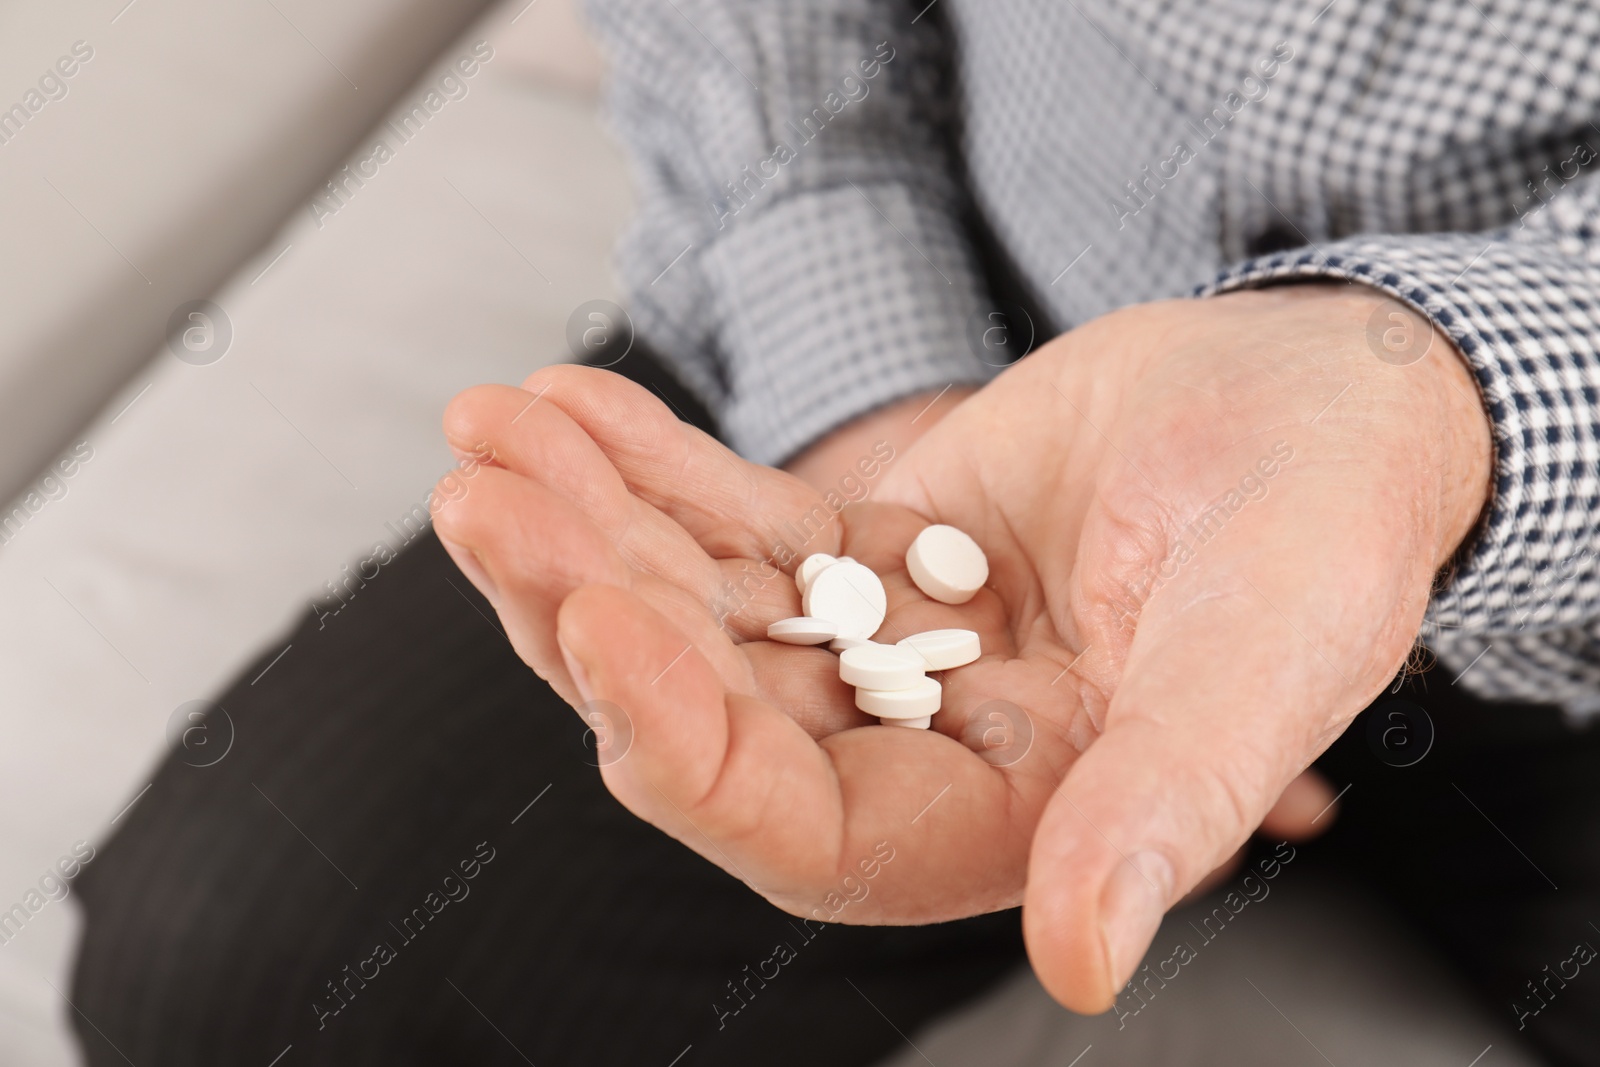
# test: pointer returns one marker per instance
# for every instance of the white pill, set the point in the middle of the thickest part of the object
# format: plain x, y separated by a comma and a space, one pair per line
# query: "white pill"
810, 567
875, 666
850, 596
802, 630
920, 723
947, 565
943, 650
914, 703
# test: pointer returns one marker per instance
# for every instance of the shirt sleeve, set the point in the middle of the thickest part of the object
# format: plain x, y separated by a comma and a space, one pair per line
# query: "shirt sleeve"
798, 252
1519, 619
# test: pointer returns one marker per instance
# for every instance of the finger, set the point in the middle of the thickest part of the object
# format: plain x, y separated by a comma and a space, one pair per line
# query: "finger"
1307, 807
1216, 877
1197, 747
540, 441
527, 548
722, 774
745, 787
1292, 818
1305, 802
521, 545
732, 507
805, 684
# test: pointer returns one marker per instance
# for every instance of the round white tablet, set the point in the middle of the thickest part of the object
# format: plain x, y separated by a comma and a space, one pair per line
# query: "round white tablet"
914, 703
810, 567
947, 565
802, 630
839, 644
920, 723
943, 650
875, 666
850, 596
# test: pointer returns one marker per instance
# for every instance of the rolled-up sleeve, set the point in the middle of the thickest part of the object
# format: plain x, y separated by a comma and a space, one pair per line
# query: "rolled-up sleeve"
799, 252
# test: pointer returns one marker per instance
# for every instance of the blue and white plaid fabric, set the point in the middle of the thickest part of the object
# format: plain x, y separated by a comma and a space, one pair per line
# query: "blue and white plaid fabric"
811, 171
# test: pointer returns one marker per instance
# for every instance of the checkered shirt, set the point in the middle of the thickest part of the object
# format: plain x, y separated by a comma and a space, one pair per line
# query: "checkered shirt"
817, 178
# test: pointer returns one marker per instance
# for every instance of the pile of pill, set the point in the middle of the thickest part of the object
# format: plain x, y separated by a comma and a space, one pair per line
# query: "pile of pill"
844, 605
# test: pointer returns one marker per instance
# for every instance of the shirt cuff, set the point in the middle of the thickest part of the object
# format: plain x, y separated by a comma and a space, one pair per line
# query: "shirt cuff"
1527, 321
836, 302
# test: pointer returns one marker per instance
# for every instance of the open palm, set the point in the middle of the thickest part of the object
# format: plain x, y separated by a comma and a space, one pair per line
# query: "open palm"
1145, 692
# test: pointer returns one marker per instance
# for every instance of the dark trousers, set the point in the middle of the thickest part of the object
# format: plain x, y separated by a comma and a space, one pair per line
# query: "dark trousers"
377, 794
407, 858
1489, 845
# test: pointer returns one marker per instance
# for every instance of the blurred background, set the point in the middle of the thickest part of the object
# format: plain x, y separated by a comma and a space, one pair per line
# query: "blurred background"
176, 502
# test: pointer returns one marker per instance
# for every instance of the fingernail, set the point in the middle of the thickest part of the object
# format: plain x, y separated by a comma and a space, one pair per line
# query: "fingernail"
1131, 908
580, 677
468, 562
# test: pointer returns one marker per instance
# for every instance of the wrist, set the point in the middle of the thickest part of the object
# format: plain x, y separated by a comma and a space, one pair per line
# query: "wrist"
1433, 410
900, 423
1467, 476
1423, 365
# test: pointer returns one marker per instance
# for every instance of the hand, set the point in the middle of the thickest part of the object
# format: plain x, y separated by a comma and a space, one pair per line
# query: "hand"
1177, 666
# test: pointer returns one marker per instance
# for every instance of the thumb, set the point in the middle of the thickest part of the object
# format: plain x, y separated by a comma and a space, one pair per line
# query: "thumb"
1221, 704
